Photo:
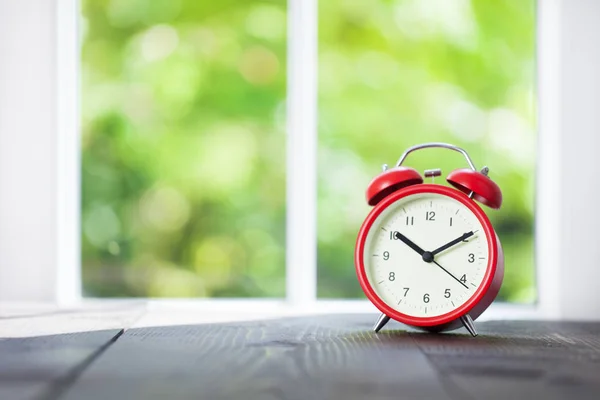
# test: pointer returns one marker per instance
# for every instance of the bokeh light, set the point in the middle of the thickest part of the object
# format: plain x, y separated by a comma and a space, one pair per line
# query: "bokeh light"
183, 148
396, 73
183, 141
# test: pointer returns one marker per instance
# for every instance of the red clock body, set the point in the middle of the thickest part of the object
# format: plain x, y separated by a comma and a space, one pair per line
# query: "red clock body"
427, 255
441, 204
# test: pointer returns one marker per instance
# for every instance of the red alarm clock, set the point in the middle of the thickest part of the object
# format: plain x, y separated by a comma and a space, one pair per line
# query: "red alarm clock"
427, 255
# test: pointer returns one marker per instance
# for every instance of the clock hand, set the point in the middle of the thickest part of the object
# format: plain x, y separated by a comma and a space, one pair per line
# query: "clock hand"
448, 272
410, 243
427, 256
452, 243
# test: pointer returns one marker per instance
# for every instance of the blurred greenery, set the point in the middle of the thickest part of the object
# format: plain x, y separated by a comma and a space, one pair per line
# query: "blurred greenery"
398, 73
183, 142
183, 148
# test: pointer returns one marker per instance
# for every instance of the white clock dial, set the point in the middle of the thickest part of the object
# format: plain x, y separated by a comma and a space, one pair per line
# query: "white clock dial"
426, 285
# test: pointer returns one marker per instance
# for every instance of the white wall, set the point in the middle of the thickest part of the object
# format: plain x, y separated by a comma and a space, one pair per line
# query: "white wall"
567, 220
27, 149
580, 140
39, 168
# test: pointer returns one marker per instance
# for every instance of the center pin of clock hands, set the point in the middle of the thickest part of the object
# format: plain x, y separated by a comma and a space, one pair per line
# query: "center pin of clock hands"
428, 256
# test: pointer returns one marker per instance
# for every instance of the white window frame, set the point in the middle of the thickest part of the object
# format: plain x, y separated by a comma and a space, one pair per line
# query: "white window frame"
40, 185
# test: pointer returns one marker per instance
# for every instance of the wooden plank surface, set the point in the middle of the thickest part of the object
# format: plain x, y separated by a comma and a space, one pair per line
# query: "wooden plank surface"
520, 360
337, 357
42, 367
44, 349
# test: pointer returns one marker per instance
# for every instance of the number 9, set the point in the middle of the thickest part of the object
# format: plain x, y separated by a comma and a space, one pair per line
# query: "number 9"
386, 255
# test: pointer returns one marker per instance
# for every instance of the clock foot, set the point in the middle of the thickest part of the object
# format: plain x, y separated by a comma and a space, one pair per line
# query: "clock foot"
467, 321
381, 321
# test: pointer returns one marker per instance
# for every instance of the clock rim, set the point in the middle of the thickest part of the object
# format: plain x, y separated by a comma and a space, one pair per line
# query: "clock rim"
468, 305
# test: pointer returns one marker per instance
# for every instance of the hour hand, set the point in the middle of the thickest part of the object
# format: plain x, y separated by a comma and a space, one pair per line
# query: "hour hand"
452, 243
410, 243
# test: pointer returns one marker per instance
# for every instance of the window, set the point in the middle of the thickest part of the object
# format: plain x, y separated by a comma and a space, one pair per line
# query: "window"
183, 140
397, 73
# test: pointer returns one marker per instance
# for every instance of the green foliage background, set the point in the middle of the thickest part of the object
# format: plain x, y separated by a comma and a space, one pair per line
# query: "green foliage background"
183, 136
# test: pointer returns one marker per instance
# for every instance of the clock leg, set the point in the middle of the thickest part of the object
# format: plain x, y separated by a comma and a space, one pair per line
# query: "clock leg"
381, 321
467, 321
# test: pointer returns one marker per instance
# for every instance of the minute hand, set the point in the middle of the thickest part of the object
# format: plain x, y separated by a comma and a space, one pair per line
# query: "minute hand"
452, 243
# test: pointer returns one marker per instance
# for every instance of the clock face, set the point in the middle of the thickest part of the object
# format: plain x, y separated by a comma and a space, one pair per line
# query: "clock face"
425, 255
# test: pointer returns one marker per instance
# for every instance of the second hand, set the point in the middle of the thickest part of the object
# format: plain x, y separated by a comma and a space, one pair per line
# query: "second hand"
448, 272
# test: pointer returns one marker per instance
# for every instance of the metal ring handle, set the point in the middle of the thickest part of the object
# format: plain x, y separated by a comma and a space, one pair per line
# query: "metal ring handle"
438, 145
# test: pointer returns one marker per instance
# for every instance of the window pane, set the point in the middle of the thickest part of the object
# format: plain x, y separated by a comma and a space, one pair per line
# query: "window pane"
398, 73
183, 148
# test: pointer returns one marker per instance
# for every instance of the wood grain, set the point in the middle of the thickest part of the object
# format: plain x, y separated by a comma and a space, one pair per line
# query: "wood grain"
298, 358
521, 360
79, 355
337, 357
42, 367
42, 351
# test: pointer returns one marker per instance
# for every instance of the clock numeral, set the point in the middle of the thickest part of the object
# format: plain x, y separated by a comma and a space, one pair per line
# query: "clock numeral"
447, 293
463, 278
471, 258
406, 291
386, 255
392, 277
393, 235
426, 298
410, 220
430, 215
